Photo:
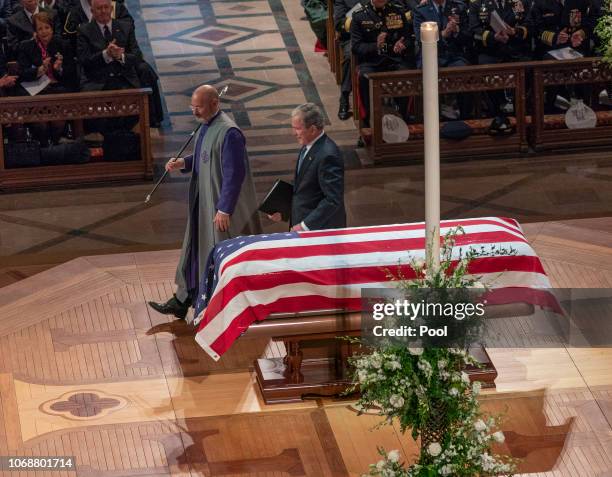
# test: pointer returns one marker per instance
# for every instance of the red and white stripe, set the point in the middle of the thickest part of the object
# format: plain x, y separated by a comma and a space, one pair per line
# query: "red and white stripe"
327, 269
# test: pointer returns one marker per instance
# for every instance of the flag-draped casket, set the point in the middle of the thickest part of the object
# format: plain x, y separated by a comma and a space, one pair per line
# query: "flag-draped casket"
249, 278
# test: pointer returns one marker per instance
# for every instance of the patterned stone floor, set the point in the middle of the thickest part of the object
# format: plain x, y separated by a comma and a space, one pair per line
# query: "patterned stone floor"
265, 53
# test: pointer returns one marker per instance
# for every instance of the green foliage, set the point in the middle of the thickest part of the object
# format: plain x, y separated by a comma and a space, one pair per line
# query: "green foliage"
604, 31
425, 387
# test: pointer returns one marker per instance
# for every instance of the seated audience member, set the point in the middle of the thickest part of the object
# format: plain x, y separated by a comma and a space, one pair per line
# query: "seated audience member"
80, 14
512, 44
21, 26
108, 54
452, 19
7, 81
557, 25
343, 27
560, 24
47, 55
5, 12
381, 39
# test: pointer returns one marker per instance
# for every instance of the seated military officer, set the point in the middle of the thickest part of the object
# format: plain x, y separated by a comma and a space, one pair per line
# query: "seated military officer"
510, 44
558, 24
381, 39
452, 19
342, 22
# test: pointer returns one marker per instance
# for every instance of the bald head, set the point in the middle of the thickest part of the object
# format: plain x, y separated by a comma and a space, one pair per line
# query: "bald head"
205, 102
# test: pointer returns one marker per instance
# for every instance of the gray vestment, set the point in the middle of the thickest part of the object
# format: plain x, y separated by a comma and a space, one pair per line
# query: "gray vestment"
204, 192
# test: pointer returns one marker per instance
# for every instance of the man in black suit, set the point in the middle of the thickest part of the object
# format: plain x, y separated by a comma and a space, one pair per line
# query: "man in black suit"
20, 26
108, 51
318, 188
109, 54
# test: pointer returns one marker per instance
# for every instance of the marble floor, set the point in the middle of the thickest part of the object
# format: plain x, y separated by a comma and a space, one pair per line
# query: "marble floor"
265, 52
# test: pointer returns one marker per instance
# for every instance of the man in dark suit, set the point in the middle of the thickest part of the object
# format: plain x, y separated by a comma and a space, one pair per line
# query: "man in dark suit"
107, 50
318, 188
20, 25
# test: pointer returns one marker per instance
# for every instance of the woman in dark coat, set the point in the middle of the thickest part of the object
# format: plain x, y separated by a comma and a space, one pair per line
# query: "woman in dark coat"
47, 55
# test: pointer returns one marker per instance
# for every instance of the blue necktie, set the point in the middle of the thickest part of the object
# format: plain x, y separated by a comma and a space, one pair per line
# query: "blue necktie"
301, 158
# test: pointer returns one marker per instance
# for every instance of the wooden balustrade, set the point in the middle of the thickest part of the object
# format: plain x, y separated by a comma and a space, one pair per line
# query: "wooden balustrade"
534, 128
77, 106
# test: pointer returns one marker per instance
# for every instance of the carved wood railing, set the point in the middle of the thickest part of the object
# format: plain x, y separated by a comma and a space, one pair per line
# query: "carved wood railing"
463, 80
77, 106
547, 131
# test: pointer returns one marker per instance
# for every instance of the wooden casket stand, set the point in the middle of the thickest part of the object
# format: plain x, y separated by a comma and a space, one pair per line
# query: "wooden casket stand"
316, 364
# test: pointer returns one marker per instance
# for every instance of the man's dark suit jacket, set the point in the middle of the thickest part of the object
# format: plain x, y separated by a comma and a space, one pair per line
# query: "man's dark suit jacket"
20, 28
96, 72
29, 58
318, 190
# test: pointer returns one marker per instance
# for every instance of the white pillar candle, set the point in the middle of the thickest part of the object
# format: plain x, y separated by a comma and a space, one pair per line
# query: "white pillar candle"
429, 42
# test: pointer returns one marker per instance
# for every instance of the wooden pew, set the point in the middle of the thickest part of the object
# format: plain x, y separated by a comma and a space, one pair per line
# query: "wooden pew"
548, 132
535, 131
471, 79
77, 106
316, 363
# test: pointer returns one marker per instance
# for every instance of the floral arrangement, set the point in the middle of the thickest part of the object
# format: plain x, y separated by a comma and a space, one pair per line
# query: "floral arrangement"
426, 390
603, 30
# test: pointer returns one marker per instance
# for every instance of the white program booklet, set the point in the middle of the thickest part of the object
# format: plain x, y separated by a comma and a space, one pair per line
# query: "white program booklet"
35, 87
567, 53
497, 23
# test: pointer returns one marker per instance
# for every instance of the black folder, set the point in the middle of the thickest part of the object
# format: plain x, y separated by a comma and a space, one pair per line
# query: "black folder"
278, 200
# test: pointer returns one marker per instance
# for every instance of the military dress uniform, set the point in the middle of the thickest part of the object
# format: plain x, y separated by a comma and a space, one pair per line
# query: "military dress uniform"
367, 24
343, 27
451, 50
488, 49
514, 14
551, 17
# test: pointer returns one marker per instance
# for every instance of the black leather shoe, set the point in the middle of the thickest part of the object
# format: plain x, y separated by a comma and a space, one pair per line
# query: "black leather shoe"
344, 112
172, 307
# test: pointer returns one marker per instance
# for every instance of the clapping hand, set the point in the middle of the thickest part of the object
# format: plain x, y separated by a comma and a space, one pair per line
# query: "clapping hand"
42, 69
577, 39
563, 37
57, 64
8, 81
502, 36
380, 39
399, 46
114, 50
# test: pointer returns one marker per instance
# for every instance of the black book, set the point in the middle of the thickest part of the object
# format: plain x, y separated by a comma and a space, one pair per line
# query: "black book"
278, 200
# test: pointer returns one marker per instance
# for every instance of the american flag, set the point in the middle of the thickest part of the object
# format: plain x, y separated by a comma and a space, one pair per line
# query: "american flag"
250, 278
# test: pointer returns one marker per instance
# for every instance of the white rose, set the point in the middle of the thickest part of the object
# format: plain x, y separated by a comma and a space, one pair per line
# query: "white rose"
434, 449
454, 392
396, 401
393, 456
446, 469
476, 386
499, 437
442, 364
380, 465
465, 378
415, 351
480, 426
